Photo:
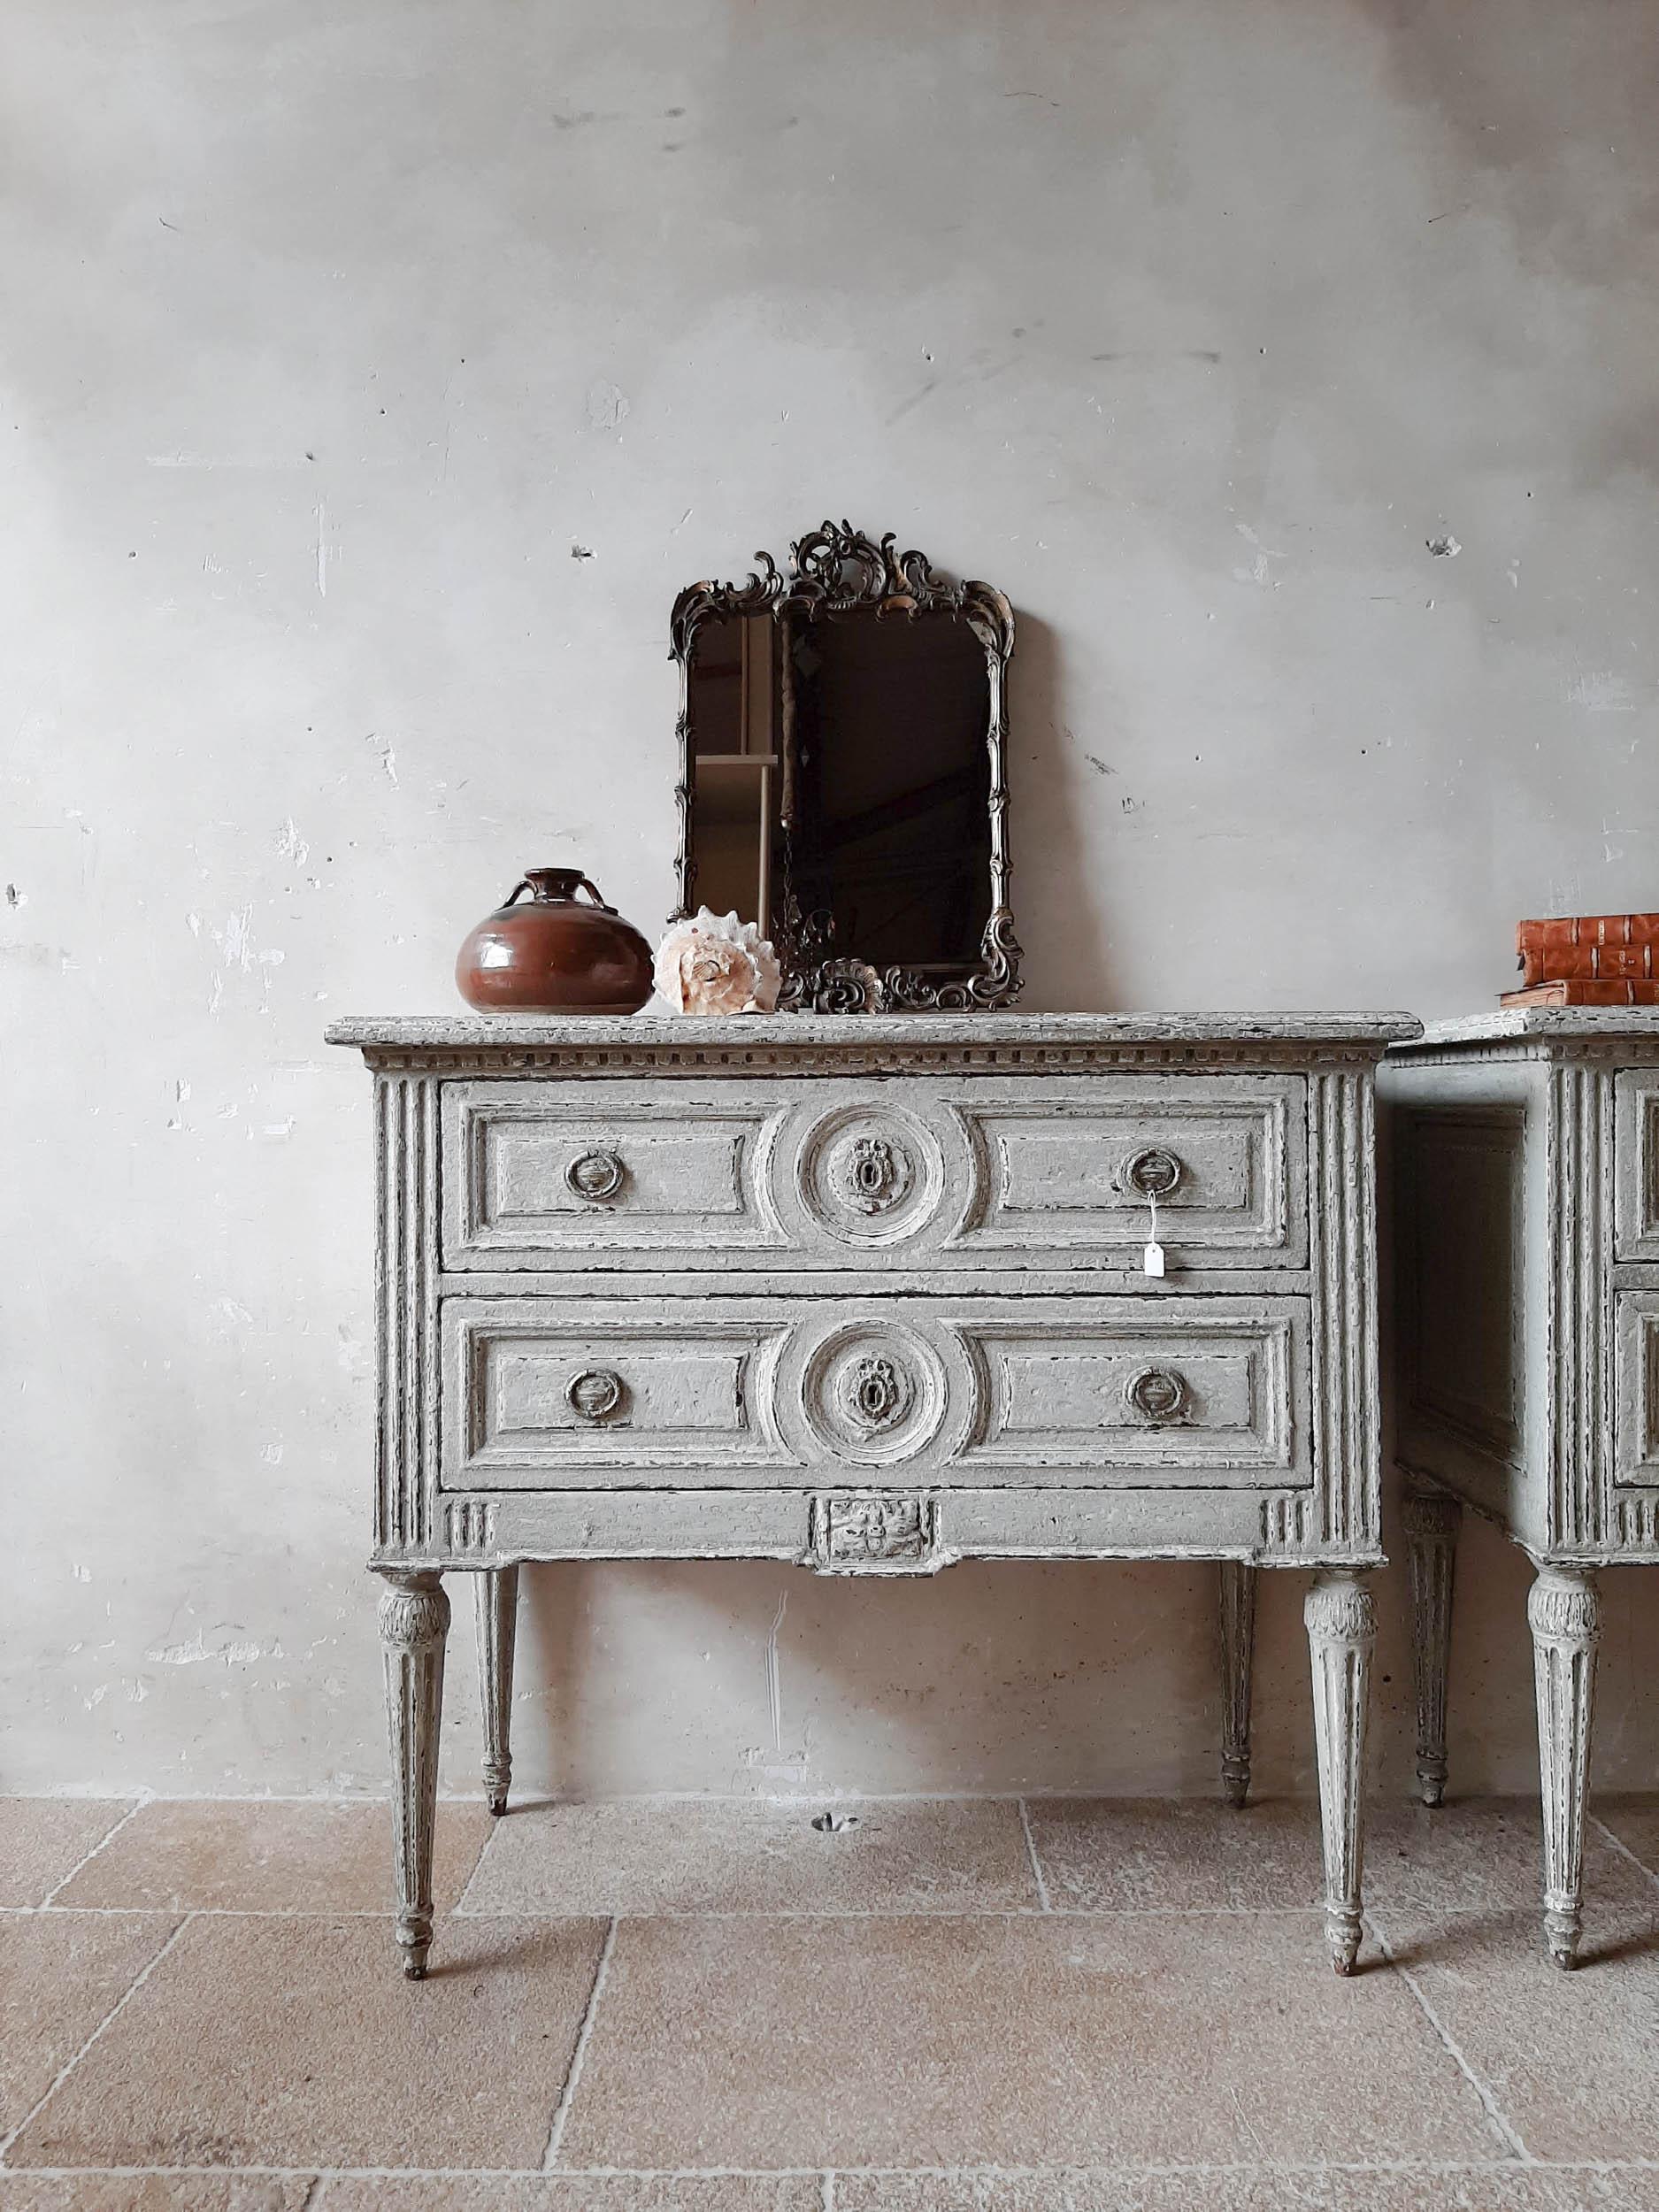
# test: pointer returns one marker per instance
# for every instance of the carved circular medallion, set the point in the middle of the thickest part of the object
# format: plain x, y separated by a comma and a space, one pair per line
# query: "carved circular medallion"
871, 1392
870, 1176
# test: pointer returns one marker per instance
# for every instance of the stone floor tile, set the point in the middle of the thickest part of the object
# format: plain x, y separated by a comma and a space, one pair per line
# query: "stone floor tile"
1478, 1855
298, 2043
572, 2192
156, 2193
1635, 1822
43, 1838
276, 1854
1012, 2040
1126, 1853
60, 1975
691, 1855
1265, 2189
1570, 2058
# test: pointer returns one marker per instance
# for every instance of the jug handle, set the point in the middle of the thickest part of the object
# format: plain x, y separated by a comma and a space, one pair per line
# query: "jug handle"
583, 883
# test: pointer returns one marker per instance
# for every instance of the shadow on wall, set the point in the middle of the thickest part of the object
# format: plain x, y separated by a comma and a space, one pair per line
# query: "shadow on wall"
758, 1678
1056, 917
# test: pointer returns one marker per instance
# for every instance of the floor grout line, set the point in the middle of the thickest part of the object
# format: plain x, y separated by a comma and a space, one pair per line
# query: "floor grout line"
1031, 1853
64, 2071
826, 2193
131, 1811
1623, 1850
478, 1865
1496, 2116
555, 2133
1403, 2167
515, 1915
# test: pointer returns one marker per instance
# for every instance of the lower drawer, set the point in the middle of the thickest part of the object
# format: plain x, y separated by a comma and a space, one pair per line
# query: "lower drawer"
1133, 1392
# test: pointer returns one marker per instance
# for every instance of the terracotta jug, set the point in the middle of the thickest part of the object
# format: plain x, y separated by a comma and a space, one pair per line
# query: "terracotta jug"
555, 955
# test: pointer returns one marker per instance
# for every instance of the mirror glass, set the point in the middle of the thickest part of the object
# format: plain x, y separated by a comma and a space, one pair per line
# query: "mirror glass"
844, 742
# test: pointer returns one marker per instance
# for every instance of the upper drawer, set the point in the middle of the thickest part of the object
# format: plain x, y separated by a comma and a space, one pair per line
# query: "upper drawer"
956, 1174
1636, 1155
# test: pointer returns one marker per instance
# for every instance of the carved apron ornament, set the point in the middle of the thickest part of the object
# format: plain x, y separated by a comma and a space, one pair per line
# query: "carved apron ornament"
858, 1535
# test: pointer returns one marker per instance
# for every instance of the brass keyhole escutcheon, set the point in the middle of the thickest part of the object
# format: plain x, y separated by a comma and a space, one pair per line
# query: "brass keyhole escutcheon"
879, 1397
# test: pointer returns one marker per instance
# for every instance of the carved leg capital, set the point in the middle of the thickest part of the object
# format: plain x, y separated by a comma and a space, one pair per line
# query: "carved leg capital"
414, 1618
1341, 1620
1433, 1522
1564, 1608
1238, 1650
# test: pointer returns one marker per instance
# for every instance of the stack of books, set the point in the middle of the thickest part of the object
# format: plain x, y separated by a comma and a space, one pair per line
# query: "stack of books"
1589, 960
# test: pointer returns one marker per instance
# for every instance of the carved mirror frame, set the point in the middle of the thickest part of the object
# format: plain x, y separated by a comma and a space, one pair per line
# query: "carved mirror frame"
835, 571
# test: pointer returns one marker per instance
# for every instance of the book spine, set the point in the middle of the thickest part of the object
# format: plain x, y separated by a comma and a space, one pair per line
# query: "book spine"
1612, 963
1584, 991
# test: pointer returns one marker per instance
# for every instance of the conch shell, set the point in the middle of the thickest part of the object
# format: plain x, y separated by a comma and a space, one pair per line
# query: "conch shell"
716, 964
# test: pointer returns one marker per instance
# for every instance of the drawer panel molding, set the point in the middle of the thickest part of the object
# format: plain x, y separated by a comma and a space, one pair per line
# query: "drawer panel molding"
1636, 1386
1636, 1148
1203, 1392
959, 1174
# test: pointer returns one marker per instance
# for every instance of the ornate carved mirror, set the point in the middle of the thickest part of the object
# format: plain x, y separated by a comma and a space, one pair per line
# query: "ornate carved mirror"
843, 781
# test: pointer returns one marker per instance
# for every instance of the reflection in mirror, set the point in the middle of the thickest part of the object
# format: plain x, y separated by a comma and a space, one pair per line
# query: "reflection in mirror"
842, 733
737, 744
891, 830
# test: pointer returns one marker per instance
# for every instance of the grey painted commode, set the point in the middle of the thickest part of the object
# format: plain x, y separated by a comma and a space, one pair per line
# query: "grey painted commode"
874, 1294
1526, 1165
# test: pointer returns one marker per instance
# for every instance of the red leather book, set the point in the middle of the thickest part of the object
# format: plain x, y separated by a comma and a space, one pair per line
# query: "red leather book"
1584, 990
1614, 947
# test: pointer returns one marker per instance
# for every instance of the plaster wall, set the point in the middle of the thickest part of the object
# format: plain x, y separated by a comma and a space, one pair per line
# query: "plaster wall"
375, 375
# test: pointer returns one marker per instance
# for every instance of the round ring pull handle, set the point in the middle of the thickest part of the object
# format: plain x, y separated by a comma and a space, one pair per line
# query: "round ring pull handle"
1157, 1393
595, 1176
595, 1394
1153, 1171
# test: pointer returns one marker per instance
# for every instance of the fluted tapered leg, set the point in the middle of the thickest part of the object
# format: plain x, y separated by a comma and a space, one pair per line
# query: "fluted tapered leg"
1238, 1651
1433, 1522
1341, 1618
414, 1621
497, 1622
1564, 1609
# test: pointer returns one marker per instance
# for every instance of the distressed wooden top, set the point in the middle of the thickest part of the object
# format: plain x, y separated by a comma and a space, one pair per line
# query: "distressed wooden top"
469, 1033
1519, 1024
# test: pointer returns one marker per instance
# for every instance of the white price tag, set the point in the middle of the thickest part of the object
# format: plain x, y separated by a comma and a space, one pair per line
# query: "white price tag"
1152, 1258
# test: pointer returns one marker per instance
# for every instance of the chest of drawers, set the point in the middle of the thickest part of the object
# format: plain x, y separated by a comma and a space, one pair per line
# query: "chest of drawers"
872, 1294
1527, 1168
